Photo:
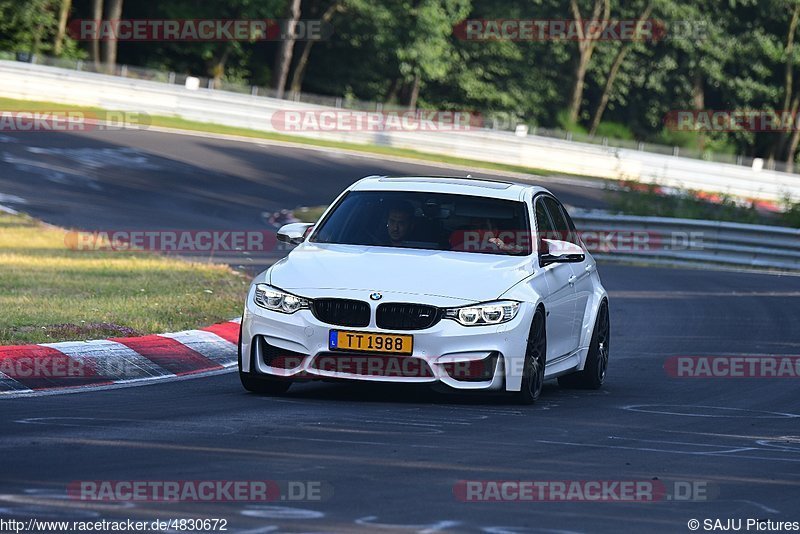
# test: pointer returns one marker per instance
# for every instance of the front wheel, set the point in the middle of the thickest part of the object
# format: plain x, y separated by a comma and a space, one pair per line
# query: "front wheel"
594, 371
260, 384
535, 355
264, 385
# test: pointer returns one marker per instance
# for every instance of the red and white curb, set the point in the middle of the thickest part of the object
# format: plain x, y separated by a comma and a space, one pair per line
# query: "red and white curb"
108, 362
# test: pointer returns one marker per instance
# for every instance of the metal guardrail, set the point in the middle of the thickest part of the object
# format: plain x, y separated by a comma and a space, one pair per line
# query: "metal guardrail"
37, 82
501, 121
672, 240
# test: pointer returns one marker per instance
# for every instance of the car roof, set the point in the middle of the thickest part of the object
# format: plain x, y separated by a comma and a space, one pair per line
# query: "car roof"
483, 187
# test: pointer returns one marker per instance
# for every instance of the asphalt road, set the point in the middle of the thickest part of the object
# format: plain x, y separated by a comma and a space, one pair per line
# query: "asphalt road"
134, 180
147, 179
388, 458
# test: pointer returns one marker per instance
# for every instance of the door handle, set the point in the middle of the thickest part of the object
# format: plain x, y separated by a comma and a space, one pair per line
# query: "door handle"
589, 268
572, 279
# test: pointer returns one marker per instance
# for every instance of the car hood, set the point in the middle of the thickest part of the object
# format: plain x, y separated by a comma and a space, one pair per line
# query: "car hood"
459, 275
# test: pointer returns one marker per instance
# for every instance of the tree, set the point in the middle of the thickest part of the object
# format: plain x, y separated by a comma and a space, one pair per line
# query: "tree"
114, 11
234, 61
337, 6
619, 58
791, 99
424, 47
97, 17
58, 44
284, 57
744, 55
586, 45
27, 26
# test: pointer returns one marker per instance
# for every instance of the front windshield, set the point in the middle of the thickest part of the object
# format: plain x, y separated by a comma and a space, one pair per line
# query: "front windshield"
431, 221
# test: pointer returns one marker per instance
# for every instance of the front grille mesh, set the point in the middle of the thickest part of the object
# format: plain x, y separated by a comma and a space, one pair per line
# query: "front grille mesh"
341, 312
406, 316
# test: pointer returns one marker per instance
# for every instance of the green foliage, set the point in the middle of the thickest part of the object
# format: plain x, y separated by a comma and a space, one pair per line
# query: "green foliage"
679, 138
647, 200
614, 130
791, 215
28, 26
712, 54
570, 126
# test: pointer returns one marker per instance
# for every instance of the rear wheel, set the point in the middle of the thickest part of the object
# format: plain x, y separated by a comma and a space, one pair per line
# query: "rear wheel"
535, 355
594, 372
260, 383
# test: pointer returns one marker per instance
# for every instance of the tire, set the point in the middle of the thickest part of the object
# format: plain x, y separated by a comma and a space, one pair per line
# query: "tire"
594, 372
260, 384
264, 385
535, 355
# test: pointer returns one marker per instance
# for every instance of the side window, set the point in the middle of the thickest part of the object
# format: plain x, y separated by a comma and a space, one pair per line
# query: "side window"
559, 222
574, 237
564, 225
544, 228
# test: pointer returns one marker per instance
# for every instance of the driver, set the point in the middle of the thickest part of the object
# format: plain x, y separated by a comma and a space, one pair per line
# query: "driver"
399, 222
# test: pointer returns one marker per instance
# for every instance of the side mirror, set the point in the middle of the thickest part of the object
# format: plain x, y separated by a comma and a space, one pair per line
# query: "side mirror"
294, 233
555, 251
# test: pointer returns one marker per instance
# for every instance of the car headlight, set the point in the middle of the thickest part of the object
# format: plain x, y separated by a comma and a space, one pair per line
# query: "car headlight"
276, 300
487, 313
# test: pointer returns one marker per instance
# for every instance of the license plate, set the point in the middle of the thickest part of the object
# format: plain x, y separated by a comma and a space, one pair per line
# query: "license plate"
368, 342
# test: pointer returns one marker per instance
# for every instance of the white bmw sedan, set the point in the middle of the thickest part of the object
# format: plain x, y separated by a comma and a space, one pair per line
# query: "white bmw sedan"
467, 283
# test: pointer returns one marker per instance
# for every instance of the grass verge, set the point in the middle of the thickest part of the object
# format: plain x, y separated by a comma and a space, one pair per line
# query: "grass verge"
51, 293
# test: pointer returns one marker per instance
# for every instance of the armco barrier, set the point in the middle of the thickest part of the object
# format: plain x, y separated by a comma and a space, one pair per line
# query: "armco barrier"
38, 82
699, 241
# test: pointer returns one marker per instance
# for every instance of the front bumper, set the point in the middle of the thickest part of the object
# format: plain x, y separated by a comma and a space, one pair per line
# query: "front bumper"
448, 350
